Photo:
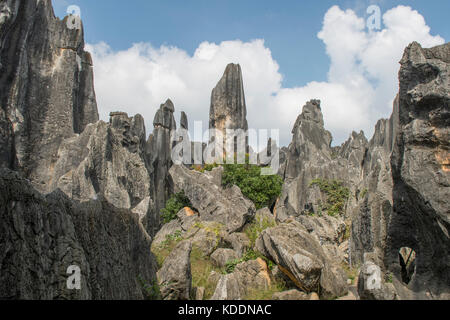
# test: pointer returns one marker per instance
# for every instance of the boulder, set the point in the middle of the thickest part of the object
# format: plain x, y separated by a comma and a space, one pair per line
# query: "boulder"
239, 242
47, 92
158, 158
293, 294
300, 256
226, 206
371, 284
247, 276
175, 277
221, 256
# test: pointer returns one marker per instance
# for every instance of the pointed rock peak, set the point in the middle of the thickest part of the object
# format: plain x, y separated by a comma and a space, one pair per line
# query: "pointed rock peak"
228, 108
168, 105
312, 112
164, 116
184, 121
233, 69
413, 52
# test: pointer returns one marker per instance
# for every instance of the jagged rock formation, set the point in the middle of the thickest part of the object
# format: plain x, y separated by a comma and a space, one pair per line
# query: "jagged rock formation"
159, 160
42, 236
46, 88
226, 206
106, 184
420, 170
228, 112
228, 109
309, 157
106, 159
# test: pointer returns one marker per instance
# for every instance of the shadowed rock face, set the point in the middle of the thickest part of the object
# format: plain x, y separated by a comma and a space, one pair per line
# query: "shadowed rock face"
420, 169
228, 110
50, 133
46, 87
41, 236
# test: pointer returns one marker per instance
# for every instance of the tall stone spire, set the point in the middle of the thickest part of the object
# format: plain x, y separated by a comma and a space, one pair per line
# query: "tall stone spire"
228, 110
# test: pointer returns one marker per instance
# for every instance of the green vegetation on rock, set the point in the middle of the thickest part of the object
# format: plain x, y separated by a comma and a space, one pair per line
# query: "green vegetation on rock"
258, 225
262, 190
337, 195
176, 202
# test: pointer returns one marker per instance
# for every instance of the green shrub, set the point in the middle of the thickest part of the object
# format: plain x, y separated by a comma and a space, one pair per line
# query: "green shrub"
262, 190
152, 290
254, 229
176, 202
364, 193
248, 256
337, 195
163, 250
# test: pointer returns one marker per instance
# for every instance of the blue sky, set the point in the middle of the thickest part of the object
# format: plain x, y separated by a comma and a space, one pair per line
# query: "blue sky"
290, 51
289, 28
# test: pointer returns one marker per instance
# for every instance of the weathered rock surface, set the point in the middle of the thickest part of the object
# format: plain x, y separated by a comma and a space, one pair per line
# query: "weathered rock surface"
159, 160
371, 284
226, 206
300, 256
420, 170
406, 178
221, 256
107, 160
46, 88
228, 109
239, 242
42, 236
293, 294
247, 276
175, 277
309, 157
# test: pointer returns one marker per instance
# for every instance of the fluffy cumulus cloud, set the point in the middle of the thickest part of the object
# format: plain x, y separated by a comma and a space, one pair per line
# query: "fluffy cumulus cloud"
362, 79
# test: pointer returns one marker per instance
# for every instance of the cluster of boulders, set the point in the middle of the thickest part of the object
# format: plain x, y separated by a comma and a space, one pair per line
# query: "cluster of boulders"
307, 252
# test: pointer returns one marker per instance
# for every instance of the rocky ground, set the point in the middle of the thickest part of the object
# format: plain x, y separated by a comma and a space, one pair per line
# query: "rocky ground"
368, 219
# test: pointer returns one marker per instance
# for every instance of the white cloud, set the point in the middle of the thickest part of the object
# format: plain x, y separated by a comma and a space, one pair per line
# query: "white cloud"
362, 79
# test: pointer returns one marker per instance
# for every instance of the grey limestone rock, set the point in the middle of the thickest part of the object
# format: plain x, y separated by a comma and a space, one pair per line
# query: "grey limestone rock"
46, 87
300, 256
174, 277
228, 109
42, 236
226, 206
